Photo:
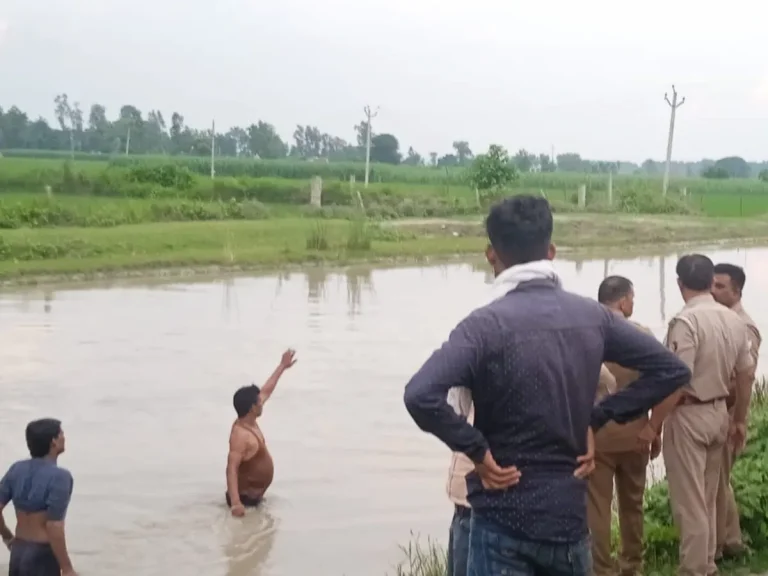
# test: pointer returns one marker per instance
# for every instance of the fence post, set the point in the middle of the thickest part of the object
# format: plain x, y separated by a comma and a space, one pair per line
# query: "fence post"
582, 196
316, 191
610, 188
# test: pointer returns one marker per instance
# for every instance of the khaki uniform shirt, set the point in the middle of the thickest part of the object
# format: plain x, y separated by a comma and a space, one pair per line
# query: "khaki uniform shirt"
754, 334
461, 465
615, 437
713, 343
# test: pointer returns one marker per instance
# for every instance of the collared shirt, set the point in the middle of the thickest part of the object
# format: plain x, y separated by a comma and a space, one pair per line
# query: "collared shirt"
37, 485
712, 341
615, 438
532, 362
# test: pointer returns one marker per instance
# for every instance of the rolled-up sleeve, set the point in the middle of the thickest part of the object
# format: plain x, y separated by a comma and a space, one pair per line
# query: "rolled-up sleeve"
457, 363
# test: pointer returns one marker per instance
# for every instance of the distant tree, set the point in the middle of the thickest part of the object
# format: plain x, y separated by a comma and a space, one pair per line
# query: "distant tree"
490, 173
763, 175
433, 158
448, 160
463, 151
715, 173
385, 148
361, 133
546, 164
413, 158
651, 167
264, 142
524, 160
735, 166
570, 162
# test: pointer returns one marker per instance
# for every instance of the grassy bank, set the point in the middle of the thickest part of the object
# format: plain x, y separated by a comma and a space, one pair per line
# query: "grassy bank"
29, 253
288, 182
750, 483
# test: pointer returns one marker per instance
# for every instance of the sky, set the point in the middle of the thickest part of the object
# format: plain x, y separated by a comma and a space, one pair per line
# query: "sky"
585, 76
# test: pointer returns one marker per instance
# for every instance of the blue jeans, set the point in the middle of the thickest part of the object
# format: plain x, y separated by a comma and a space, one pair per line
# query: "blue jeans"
493, 553
458, 542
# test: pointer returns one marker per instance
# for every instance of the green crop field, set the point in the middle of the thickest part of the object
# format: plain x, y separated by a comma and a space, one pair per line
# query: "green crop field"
287, 181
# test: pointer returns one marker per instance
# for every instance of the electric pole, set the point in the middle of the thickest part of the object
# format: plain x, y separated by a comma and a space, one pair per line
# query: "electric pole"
674, 105
368, 115
213, 149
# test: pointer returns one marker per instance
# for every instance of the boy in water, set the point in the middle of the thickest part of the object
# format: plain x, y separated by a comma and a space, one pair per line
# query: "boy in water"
40, 492
249, 465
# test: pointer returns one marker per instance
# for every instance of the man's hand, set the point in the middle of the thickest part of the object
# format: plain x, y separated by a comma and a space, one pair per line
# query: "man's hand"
655, 447
8, 542
587, 461
493, 476
288, 359
737, 436
645, 439
238, 510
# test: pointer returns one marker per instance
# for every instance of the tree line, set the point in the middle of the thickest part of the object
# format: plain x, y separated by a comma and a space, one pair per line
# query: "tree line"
135, 132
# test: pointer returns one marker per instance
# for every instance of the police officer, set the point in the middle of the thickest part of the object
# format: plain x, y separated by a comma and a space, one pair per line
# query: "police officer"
727, 290
712, 341
617, 459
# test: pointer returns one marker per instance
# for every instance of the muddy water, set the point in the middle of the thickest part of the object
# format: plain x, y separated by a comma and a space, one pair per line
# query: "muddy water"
142, 377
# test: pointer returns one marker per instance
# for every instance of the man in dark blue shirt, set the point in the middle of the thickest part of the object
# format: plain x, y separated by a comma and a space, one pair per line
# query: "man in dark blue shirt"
40, 492
532, 361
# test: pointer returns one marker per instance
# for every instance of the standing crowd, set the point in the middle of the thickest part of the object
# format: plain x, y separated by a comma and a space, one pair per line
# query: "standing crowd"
549, 400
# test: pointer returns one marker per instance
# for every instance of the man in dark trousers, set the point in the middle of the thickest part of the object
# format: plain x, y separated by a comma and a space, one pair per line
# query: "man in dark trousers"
532, 360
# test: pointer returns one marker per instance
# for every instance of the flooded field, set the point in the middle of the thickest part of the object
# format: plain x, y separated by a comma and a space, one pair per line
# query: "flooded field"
142, 377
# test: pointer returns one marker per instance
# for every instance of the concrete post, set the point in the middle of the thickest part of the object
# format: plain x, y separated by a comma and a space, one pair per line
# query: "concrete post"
583, 196
316, 191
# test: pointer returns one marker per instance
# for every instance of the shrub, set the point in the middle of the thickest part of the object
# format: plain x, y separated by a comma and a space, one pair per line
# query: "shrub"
318, 237
358, 237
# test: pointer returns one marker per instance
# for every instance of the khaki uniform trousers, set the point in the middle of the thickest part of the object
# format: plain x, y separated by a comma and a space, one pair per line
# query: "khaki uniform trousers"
694, 436
728, 528
628, 468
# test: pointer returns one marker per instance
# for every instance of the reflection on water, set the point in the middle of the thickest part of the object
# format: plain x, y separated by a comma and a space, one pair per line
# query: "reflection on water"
152, 368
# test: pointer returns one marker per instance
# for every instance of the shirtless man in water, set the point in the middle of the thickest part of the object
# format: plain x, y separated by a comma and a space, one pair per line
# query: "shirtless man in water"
249, 465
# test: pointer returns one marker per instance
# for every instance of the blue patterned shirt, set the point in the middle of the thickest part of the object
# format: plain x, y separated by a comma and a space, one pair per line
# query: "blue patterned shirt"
532, 361
37, 485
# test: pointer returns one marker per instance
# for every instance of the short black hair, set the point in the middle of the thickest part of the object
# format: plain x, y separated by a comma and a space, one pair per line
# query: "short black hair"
520, 229
613, 289
245, 399
735, 273
40, 434
696, 272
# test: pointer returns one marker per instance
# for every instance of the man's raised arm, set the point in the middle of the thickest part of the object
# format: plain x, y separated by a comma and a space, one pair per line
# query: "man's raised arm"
455, 364
661, 373
288, 359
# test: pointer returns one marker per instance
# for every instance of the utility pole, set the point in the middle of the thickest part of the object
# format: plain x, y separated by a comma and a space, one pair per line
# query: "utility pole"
128, 141
674, 105
368, 115
213, 148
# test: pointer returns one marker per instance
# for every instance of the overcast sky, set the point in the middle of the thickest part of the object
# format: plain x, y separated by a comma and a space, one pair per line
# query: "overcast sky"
586, 76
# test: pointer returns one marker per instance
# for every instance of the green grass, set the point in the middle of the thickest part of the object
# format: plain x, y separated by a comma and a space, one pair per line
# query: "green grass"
34, 252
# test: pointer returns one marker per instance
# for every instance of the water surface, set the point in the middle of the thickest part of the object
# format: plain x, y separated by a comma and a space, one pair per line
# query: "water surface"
142, 376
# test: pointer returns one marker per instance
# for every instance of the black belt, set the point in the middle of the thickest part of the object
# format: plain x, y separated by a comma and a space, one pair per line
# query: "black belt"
689, 400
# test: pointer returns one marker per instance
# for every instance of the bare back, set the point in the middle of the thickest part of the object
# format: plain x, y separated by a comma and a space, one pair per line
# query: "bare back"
255, 469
